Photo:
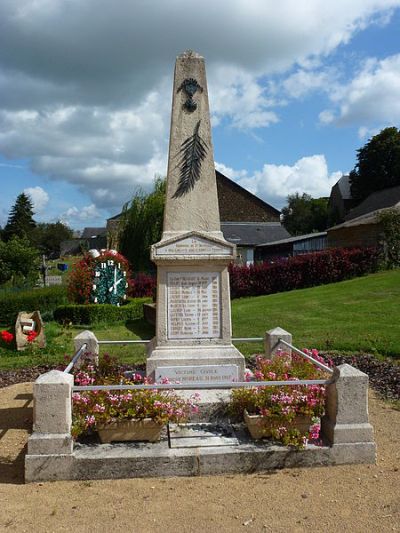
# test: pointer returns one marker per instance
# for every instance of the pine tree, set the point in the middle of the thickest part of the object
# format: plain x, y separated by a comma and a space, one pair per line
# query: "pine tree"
20, 220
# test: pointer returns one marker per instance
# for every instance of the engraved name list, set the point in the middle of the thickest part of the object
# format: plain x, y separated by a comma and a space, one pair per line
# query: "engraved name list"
193, 303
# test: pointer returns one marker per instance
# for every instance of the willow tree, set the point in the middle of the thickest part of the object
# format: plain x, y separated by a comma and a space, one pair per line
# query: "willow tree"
141, 225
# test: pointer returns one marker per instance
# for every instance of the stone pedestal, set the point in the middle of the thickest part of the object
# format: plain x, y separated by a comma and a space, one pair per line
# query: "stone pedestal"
346, 425
92, 347
193, 322
272, 344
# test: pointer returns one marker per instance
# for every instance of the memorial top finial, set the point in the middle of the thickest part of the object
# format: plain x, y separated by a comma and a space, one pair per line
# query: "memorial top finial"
190, 54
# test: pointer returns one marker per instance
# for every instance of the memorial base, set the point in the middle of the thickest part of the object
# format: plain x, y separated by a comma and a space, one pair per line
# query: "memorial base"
194, 356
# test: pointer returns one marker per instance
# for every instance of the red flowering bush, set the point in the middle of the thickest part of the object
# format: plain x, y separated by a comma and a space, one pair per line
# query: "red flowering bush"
142, 285
302, 271
281, 404
6, 337
80, 280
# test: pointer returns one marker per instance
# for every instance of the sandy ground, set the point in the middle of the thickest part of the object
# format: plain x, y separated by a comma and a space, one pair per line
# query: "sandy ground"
344, 498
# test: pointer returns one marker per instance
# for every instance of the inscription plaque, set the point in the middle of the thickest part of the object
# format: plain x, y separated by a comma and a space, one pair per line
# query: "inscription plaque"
193, 305
201, 374
193, 246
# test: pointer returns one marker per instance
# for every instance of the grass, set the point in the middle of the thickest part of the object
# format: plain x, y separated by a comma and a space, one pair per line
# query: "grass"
362, 314
358, 315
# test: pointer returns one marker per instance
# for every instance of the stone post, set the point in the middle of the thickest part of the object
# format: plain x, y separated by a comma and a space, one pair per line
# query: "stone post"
272, 344
52, 415
346, 425
92, 347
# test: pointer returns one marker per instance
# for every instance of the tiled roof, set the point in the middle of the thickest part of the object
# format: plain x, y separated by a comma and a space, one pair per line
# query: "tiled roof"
344, 187
253, 233
377, 200
297, 238
89, 233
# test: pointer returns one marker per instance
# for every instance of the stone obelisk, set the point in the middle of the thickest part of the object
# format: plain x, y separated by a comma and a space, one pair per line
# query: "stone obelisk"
193, 320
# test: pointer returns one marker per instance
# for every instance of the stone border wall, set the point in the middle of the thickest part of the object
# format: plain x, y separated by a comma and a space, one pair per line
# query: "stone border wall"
51, 455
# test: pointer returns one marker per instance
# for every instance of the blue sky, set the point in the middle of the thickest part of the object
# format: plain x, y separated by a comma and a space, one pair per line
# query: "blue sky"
295, 89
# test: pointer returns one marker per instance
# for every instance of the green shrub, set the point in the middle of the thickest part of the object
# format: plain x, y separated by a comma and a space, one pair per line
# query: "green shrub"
93, 313
45, 300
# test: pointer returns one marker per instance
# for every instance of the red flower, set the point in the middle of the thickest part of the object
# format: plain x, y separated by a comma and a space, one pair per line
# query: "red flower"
7, 337
31, 336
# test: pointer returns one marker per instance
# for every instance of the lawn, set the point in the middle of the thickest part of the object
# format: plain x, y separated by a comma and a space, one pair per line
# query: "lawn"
362, 314
359, 315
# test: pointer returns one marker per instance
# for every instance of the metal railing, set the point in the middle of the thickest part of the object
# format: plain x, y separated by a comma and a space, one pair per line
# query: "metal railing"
306, 356
146, 341
136, 341
75, 358
202, 385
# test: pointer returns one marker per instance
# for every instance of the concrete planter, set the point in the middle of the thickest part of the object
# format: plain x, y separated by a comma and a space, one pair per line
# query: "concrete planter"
260, 427
130, 430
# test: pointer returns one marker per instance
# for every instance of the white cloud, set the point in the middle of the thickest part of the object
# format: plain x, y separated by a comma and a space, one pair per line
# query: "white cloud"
93, 110
239, 97
370, 99
275, 182
39, 198
302, 82
83, 214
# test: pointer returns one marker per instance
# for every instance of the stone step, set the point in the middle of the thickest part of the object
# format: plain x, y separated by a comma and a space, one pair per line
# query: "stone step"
201, 435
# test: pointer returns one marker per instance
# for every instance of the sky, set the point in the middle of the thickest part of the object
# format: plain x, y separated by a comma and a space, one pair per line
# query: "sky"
295, 89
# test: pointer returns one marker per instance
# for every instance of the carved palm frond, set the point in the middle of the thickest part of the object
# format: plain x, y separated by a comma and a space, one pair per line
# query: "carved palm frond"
193, 151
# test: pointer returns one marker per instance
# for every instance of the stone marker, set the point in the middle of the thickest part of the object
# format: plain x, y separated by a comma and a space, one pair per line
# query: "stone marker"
193, 318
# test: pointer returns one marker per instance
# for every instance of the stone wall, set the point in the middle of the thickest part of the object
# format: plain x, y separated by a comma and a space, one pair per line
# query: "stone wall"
238, 205
362, 236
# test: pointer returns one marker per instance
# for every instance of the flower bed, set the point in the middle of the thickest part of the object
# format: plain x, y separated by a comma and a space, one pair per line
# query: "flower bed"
94, 410
281, 410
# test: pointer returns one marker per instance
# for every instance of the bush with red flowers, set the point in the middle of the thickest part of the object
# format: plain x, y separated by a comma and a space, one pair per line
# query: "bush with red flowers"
302, 271
142, 285
80, 280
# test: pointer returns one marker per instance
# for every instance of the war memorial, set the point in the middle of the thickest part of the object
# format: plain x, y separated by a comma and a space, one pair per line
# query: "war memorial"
192, 347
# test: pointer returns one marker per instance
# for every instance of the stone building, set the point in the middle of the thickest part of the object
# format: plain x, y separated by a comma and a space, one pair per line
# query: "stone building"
340, 200
246, 220
361, 227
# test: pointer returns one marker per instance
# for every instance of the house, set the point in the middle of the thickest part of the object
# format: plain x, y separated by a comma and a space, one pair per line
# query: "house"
246, 220
301, 244
89, 238
362, 226
340, 200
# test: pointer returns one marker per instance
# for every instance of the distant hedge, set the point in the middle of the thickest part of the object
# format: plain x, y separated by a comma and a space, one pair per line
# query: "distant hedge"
46, 300
88, 314
302, 271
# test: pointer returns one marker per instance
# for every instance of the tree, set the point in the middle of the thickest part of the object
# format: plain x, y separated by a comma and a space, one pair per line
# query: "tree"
141, 225
20, 220
304, 214
47, 237
19, 262
378, 164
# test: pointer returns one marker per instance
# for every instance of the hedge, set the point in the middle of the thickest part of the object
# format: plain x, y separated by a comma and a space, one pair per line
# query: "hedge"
46, 300
302, 271
142, 284
93, 313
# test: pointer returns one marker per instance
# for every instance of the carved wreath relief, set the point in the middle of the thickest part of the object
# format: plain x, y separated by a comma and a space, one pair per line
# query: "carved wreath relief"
192, 153
190, 86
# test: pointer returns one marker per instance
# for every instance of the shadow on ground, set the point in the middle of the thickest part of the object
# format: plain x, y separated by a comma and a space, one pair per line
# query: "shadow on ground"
141, 328
14, 418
